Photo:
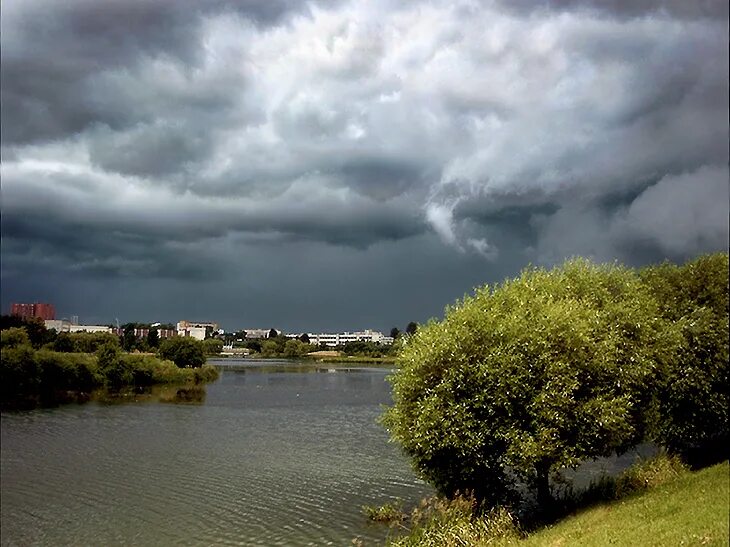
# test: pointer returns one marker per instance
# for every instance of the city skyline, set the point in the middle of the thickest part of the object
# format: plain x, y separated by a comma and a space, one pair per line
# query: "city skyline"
353, 164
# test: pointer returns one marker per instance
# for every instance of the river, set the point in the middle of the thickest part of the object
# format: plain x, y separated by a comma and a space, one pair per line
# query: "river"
274, 454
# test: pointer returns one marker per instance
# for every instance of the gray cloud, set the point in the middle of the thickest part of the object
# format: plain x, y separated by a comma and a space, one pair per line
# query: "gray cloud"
173, 143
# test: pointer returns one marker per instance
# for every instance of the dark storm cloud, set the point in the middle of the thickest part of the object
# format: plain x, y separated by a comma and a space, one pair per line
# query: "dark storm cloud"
627, 8
178, 142
54, 53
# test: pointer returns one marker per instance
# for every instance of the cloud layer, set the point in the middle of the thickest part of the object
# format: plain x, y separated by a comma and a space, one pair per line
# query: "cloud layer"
173, 143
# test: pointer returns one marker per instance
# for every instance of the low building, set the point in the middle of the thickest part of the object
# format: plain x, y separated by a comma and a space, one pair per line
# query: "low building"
143, 332
89, 328
341, 338
256, 334
59, 325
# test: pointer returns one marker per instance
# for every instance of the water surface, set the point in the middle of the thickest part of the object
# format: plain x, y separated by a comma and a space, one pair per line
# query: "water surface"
276, 454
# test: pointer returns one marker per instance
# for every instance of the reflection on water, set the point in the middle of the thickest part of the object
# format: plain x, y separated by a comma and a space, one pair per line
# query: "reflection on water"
270, 454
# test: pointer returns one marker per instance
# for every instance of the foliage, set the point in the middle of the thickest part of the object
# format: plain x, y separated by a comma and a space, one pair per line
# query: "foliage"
412, 327
212, 346
394, 333
184, 352
129, 338
14, 337
33, 376
82, 342
68, 371
113, 367
19, 371
153, 338
365, 349
37, 332
538, 374
294, 349
391, 512
441, 522
693, 393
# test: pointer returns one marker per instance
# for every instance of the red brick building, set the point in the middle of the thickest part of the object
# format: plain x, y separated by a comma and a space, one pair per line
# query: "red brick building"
28, 311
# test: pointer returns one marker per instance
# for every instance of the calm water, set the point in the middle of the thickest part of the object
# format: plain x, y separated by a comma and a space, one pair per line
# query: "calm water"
274, 455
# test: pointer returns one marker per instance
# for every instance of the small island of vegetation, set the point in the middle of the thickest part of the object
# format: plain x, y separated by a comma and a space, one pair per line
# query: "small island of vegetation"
41, 367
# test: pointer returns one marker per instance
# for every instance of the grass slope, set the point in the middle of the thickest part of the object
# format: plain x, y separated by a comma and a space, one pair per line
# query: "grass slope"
690, 510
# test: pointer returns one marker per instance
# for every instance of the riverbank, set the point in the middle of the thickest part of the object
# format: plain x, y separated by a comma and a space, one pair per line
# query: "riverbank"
659, 505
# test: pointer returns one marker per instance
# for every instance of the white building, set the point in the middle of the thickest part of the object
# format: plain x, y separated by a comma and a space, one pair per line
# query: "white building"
195, 330
253, 334
340, 338
64, 325
89, 328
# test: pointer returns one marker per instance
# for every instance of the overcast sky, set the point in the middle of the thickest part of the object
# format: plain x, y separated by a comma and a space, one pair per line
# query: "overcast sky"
352, 164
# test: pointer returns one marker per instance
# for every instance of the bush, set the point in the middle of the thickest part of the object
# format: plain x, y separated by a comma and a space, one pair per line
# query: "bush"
391, 512
184, 352
68, 371
115, 369
541, 373
14, 337
441, 522
19, 371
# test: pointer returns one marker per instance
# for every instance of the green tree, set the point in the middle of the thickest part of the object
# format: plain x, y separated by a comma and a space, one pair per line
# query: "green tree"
412, 328
269, 348
112, 366
63, 343
35, 327
129, 338
90, 342
153, 338
693, 393
295, 348
184, 352
539, 374
213, 346
304, 338
14, 337
394, 333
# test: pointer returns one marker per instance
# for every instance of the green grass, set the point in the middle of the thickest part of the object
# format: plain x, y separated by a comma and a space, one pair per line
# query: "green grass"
692, 509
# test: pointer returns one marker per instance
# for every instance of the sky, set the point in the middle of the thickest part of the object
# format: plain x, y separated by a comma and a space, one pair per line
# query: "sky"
345, 165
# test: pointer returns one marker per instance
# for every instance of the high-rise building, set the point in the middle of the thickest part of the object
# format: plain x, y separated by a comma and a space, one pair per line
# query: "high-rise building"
37, 309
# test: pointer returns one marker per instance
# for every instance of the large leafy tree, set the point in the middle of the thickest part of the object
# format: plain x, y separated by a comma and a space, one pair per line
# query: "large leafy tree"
693, 389
533, 376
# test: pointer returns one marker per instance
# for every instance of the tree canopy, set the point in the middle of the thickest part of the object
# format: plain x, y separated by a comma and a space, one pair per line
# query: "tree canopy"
184, 352
530, 377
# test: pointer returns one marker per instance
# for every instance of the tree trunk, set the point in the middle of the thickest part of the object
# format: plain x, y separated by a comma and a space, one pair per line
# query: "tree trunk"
544, 497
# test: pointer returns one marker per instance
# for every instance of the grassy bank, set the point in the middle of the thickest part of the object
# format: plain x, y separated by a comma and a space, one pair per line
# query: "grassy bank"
658, 503
689, 510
